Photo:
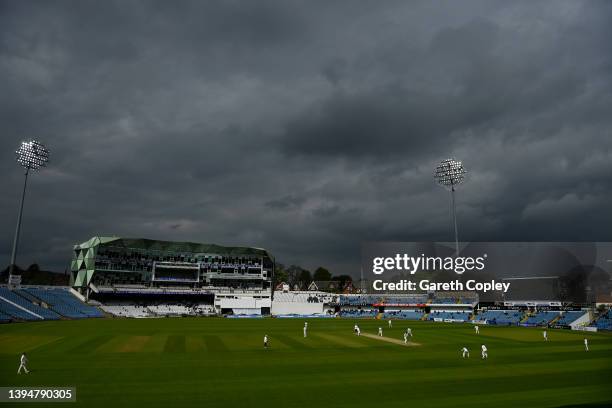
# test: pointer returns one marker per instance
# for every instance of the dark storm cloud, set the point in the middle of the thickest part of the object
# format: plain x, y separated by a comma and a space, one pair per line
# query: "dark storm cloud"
305, 127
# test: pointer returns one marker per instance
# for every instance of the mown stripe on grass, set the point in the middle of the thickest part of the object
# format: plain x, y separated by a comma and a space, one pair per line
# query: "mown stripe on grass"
19, 343
291, 342
194, 344
133, 344
156, 344
214, 343
112, 345
175, 344
341, 340
91, 344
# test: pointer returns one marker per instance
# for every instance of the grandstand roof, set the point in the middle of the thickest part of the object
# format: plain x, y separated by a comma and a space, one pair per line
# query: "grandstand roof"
172, 246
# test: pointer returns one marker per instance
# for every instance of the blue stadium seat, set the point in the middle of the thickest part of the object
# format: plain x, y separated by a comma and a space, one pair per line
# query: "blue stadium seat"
501, 317
541, 318
65, 303
569, 317
26, 304
463, 316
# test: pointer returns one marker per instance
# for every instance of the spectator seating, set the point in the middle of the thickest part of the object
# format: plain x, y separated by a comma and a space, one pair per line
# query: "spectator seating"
4, 318
405, 314
569, 317
358, 313
127, 310
64, 303
541, 318
604, 321
14, 305
463, 316
500, 317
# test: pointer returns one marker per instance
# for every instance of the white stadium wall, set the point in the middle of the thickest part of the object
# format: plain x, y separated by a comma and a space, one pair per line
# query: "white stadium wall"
242, 305
582, 321
300, 308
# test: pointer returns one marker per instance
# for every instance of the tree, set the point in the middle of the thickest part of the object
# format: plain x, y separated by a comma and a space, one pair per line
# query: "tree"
322, 274
343, 279
280, 275
293, 275
305, 278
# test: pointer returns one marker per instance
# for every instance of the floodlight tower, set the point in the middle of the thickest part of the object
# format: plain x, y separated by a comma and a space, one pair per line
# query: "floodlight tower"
31, 155
450, 173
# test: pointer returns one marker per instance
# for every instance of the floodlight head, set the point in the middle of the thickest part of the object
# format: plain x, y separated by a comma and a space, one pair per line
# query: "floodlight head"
449, 173
32, 155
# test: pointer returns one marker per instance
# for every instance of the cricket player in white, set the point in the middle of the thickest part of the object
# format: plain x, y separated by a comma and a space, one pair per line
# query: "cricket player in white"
466, 352
586, 344
358, 331
266, 341
545, 334
390, 323
409, 332
405, 337
23, 362
355, 329
305, 329
380, 331
477, 329
484, 352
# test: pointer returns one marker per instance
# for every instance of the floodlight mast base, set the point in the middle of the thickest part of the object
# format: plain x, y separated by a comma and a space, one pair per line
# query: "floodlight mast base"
18, 228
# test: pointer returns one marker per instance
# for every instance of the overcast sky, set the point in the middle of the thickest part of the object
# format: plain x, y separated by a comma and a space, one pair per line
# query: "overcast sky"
305, 127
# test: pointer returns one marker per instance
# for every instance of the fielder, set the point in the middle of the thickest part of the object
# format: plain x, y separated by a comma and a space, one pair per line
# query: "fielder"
358, 331
545, 334
355, 329
305, 329
409, 332
484, 352
390, 323
405, 338
466, 352
586, 344
477, 329
380, 331
23, 362
266, 341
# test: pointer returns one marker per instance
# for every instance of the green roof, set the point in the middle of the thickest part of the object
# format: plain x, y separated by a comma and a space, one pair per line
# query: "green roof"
171, 246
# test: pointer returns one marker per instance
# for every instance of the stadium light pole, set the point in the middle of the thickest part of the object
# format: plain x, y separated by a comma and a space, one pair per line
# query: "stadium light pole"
450, 173
31, 155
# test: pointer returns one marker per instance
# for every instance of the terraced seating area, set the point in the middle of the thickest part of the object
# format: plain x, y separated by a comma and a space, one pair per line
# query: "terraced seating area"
541, 318
64, 303
21, 308
127, 310
569, 317
501, 317
604, 321
405, 314
358, 313
463, 316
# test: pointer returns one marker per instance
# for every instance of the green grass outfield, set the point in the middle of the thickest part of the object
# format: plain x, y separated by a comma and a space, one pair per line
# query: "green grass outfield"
215, 362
